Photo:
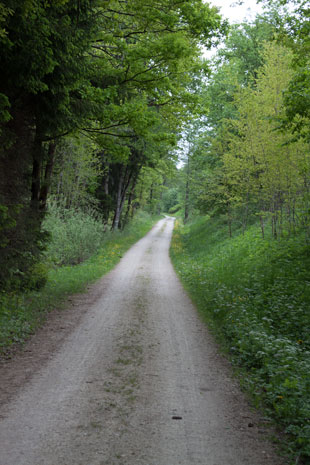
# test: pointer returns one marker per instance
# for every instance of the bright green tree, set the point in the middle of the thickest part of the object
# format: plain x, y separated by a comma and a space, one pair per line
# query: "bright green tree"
263, 165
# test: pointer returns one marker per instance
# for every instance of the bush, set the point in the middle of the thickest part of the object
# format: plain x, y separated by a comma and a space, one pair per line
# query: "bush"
35, 278
175, 209
75, 235
169, 198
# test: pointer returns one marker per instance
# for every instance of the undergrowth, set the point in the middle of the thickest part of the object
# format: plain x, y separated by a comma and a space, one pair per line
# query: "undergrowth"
75, 234
255, 296
22, 313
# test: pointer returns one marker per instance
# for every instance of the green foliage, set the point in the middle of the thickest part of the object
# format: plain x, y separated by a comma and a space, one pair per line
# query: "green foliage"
175, 209
295, 16
263, 166
37, 276
117, 71
17, 264
6, 222
297, 101
170, 199
255, 295
248, 159
4, 13
244, 46
242, 164
42, 52
76, 173
75, 235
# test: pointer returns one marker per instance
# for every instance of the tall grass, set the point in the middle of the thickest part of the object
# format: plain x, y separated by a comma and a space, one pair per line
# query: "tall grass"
22, 313
255, 296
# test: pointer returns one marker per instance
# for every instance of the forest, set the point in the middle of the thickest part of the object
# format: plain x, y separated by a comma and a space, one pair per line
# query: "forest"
110, 116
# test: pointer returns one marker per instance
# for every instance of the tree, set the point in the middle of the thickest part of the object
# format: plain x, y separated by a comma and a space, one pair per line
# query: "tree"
297, 32
77, 172
244, 45
262, 164
117, 71
145, 70
41, 61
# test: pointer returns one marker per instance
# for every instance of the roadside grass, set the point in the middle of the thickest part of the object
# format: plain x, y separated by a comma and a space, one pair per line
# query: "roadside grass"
22, 313
254, 295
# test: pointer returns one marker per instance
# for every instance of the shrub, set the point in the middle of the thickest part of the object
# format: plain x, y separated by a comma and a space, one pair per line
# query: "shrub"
175, 209
34, 278
75, 235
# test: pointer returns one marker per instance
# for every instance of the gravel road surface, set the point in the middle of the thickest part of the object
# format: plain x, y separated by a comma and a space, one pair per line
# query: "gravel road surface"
128, 375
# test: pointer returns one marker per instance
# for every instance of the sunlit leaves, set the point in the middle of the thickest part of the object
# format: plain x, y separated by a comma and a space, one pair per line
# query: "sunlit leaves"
263, 164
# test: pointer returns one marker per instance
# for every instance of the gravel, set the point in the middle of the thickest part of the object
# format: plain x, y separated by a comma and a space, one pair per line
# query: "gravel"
128, 375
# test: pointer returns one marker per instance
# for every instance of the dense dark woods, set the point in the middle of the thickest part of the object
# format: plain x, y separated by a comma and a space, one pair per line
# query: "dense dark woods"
99, 101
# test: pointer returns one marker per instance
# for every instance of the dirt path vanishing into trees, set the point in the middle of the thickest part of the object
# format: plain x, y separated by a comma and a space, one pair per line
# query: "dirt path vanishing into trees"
128, 375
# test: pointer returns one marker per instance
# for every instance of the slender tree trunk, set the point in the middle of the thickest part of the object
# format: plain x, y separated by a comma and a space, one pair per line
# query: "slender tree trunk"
159, 205
186, 207
117, 213
36, 172
245, 216
105, 204
274, 226
106, 181
229, 222
123, 186
294, 217
130, 197
289, 216
48, 174
59, 184
262, 226
128, 174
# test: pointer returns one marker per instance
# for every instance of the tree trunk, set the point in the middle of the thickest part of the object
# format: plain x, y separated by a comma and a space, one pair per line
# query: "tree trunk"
106, 181
47, 175
245, 215
229, 223
129, 175
159, 206
274, 226
130, 197
118, 208
186, 206
262, 226
20, 223
36, 172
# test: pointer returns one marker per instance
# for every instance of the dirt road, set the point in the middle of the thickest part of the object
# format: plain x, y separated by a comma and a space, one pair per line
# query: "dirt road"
136, 380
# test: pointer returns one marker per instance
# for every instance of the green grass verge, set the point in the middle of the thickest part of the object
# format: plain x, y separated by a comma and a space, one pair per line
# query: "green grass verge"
255, 296
22, 314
